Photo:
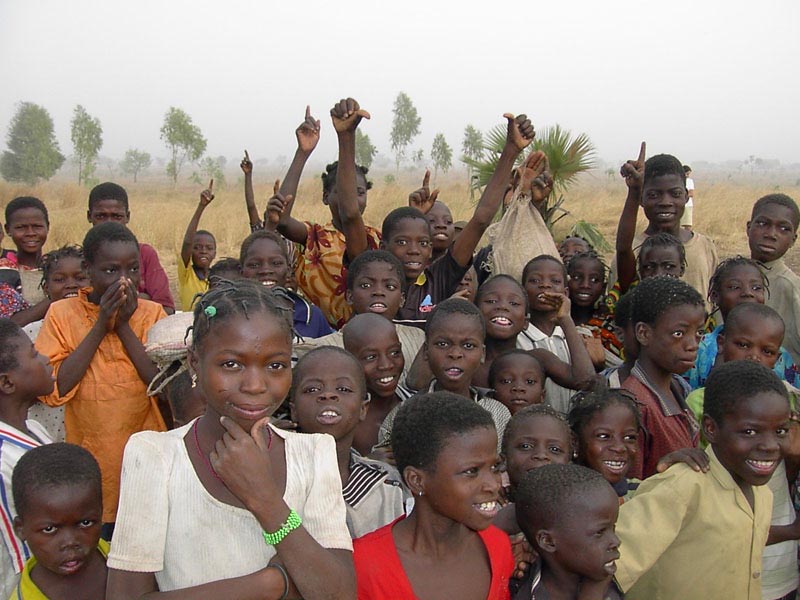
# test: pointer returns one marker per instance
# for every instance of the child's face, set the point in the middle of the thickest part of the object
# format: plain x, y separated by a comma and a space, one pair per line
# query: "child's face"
663, 201
381, 357
518, 382
671, 344
660, 260
502, 304
454, 349
332, 197
743, 283
243, 367
441, 226
534, 442
376, 289
411, 243
544, 276
755, 339
586, 282
113, 261
67, 276
570, 247
608, 442
328, 397
62, 526
266, 263
28, 230
204, 250
464, 483
750, 440
771, 233
33, 377
586, 544
470, 283
108, 210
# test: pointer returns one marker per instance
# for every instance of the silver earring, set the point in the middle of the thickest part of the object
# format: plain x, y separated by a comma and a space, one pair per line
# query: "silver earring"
194, 380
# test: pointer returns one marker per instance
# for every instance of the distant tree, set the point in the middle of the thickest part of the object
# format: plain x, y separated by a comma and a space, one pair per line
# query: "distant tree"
33, 151
365, 150
183, 139
87, 139
418, 157
135, 162
472, 149
405, 126
211, 168
441, 155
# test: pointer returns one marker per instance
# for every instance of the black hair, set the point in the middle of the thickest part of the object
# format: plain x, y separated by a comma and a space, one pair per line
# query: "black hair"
547, 496
178, 390
779, 199
50, 260
205, 232
655, 295
425, 422
748, 311
108, 191
22, 202
585, 405
624, 309
371, 256
361, 380
739, 380
261, 234
662, 240
224, 264
482, 288
494, 368
9, 344
453, 306
242, 297
590, 255
543, 257
663, 164
532, 412
575, 236
687, 169
392, 220
726, 266
53, 465
105, 232
329, 176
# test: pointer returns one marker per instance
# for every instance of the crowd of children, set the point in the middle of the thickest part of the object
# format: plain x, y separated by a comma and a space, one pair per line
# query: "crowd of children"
402, 412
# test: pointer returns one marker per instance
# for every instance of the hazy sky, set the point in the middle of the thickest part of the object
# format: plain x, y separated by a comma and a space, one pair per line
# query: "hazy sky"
712, 80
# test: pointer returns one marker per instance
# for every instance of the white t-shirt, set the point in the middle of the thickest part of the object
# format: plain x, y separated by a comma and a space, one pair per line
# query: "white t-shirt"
168, 523
556, 396
689, 188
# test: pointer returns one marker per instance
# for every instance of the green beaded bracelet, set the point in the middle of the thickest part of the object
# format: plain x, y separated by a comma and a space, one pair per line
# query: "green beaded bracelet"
293, 521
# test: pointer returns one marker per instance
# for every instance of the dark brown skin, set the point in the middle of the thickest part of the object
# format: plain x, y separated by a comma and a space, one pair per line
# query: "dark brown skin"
633, 173
423, 199
88, 583
366, 434
206, 196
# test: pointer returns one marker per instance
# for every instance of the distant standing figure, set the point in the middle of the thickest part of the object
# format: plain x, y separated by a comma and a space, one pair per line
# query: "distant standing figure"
686, 219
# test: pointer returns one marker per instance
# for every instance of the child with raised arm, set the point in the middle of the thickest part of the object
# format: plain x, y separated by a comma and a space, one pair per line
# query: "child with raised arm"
59, 504
328, 249
24, 375
198, 250
95, 344
407, 234
771, 231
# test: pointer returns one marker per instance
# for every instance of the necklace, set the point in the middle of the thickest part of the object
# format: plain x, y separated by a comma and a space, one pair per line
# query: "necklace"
205, 458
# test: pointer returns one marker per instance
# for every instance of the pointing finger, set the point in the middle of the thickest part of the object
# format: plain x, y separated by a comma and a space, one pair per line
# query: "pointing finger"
246, 155
210, 185
308, 111
642, 152
277, 186
427, 178
434, 195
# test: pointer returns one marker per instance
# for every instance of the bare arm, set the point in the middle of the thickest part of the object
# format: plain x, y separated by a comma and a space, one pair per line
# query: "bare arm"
249, 196
29, 315
520, 134
633, 172
264, 584
206, 196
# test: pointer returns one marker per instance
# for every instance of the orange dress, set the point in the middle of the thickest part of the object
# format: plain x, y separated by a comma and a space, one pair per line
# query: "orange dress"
321, 273
110, 402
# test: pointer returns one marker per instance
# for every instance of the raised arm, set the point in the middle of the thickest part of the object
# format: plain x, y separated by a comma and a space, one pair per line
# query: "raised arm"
206, 196
520, 134
249, 196
307, 137
423, 198
346, 116
633, 172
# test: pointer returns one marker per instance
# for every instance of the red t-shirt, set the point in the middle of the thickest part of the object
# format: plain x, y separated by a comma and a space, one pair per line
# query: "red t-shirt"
380, 574
154, 281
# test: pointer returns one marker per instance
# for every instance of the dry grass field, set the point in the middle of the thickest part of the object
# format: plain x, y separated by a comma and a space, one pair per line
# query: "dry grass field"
160, 212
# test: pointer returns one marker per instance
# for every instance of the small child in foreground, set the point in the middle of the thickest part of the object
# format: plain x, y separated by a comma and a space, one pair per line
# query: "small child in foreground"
716, 522
198, 250
59, 502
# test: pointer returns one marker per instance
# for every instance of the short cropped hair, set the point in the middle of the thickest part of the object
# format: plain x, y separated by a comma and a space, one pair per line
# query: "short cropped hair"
373, 256
779, 199
532, 412
105, 232
655, 295
425, 422
624, 311
262, 234
663, 164
319, 351
392, 220
10, 340
734, 382
662, 239
497, 363
482, 289
22, 202
750, 311
585, 405
543, 257
453, 306
53, 465
108, 191
329, 176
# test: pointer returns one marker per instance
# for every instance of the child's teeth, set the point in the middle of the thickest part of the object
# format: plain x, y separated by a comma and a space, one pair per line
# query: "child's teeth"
386, 379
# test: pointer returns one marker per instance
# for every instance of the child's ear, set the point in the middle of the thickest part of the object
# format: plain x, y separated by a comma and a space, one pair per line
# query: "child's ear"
89, 216
7, 385
292, 412
425, 355
193, 360
720, 342
643, 333
483, 353
18, 528
348, 297
364, 407
710, 429
713, 296
415, 478
576, 447
545, 541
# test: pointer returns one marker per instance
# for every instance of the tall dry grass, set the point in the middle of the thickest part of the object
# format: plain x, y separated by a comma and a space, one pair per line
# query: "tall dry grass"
160, 212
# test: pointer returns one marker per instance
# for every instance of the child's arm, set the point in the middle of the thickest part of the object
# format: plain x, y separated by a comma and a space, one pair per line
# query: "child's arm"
784, 533
249, 196
346, 116
145, 367
206, 196
633, 172
307, 137
275, 207
520, 133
